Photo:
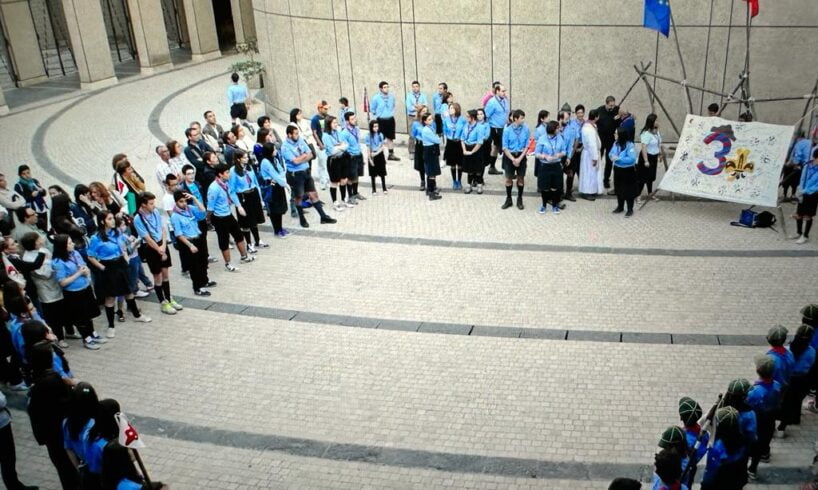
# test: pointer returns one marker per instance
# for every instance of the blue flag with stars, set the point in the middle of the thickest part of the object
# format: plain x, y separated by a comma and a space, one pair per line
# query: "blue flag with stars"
657, 16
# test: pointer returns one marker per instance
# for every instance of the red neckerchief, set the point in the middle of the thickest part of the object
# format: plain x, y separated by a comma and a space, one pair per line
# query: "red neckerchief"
767, 381
224, 188
779, 350
695, 428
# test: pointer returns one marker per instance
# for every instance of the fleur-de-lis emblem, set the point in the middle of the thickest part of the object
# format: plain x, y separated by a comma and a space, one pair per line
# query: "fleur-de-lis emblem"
738, 167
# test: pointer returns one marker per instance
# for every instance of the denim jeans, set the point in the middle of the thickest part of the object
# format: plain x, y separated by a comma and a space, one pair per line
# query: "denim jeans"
137, 274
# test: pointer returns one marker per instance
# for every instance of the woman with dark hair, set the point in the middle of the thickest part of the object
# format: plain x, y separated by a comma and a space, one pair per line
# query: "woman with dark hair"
431, 156
107, 252
82, 209
804, 355
727, 458
62, 222
74, 278
246, 194
338, 162
34, 333
54, 190
83, 406
549, 153
263, 136
377, 160
104, 430
119, 472
649, 156
47, 408
274, 187
542, 125
417, 129
472, 146
623, 156
453, 124
488, 160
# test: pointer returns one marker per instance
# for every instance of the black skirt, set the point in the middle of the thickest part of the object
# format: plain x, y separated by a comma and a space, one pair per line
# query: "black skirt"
431, 160
473, 164
278, 200
626, 182
114, 280
647, 173
486, 151
419, 156
253, 212
338, 167
807, 206
378, 167
453, 153
80, 306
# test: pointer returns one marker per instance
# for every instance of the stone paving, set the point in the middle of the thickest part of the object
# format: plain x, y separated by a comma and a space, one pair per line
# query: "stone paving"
263, 400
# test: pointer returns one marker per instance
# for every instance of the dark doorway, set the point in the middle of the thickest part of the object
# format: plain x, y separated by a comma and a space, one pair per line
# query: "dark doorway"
224, 24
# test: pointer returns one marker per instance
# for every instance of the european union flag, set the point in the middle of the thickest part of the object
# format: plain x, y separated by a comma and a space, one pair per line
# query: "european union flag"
657, 16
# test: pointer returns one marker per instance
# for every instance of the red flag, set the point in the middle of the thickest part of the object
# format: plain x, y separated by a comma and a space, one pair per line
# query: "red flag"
366, 101
753, 7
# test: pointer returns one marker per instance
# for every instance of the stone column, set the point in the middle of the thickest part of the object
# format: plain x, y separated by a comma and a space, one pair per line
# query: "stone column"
22, 42
201, 28
243, 20
89, 43
150, 35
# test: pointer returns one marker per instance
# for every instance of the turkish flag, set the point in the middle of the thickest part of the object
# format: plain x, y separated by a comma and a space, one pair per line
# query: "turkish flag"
753, 7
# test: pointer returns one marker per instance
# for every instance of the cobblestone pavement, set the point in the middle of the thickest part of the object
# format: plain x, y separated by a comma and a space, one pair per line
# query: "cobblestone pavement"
269, 398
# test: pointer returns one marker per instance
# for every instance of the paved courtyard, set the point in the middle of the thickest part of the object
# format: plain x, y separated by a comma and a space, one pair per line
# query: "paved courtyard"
417, 344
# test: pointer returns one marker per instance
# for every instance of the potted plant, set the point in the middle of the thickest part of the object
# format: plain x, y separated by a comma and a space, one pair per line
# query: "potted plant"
250, 69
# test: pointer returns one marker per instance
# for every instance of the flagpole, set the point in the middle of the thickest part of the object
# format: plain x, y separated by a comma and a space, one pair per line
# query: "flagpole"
750, 105
141, 466
681, 61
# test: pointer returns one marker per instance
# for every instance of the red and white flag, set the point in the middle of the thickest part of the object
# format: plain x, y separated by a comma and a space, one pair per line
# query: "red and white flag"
128, 436
753, 7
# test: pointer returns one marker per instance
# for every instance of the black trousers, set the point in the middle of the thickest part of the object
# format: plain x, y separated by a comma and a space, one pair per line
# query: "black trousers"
69, 477
197, 262
203, 234
765, 431
8, 459
606, 148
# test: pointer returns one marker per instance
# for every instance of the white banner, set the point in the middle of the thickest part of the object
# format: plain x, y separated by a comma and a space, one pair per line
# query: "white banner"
729, 160
128, 436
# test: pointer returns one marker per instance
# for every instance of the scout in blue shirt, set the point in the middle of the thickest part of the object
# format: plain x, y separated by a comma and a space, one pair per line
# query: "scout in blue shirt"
150, 227
726, 458
190, 241
626, 182
690, 412
342, 111
800, 156
383, 108
219, 204
542, 122
764, 398
804, 358
415, 99
73, 276
236, 98
497, 111
550, 153
807, 199
297, 155
246, 195
351, 134
415, 133
439, 108
375, 157
431, 156
338, 163
571, 133
274, 187
453, 124
784, 360
514, 142
472, 144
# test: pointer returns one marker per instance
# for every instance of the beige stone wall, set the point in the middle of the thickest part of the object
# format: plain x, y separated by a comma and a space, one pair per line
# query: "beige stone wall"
547, 52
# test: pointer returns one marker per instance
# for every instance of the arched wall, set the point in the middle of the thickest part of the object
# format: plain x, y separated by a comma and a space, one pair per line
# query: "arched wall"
547, 52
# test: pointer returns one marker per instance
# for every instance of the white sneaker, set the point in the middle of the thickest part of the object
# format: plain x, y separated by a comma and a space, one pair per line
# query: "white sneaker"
795, 237
110, 333
141, 294
142, 318
337, 206
262, 244
63, 344
230, 267
802, 240
349, 204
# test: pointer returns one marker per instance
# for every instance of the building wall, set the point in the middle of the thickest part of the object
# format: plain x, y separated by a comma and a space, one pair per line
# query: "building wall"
547, 52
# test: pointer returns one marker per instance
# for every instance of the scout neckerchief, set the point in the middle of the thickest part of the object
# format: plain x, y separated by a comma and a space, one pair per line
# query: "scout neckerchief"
221, 184
353, 129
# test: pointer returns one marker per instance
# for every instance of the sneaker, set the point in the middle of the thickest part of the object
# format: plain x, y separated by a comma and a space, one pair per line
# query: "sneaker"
375, 194
557, 210
167, 309
359, 197
142, 318
212, 260
611, 192
120, 316
795, 237
230, 267
91, 345
541, 210
63, 344
141, 294
435, 197
21, 386
202, 292
328, 220
176, 306
281, 234
110, 333
261, 244
210, 284
251, 249
494, 171
654, 197
285, 231
802, 240
337, 206
98, 339
247, 259
350, 203
422, 186
479, 188
73, 336
385, 192
468, 189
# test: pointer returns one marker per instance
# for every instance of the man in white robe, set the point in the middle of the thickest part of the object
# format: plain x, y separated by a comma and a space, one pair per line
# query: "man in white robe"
591, 174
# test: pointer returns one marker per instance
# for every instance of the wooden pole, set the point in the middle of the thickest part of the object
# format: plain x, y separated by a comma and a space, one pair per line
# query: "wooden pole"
141, 466
681, 63
747, 96
806, 108
686, 85
658, 101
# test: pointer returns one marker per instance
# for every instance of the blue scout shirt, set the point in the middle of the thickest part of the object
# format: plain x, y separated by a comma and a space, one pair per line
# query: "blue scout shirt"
801, 151
804, 362
717, 457
429, 137
497, 110
67, 268
241, 183
194, 190
413, 99
93, 455
485, 128
764, 396
748, 425
111, 249
437, 101
539, 132
374, 141
330, 140
290, 150
809, 179
236, 94
218, 199
352, 136
627, 156
453, 127
550, 145
383, 106
784, 362
126, 484
515, 138
342, 112
571, 133
473, 134
273, 171
149, 223
184, 223
691, 434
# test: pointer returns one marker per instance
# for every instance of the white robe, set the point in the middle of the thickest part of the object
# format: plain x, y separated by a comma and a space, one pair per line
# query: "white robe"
591, 179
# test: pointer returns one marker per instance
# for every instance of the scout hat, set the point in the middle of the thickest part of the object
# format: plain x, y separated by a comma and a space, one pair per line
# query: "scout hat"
671, 437
689, 410
777, 335
765, 366
810, 314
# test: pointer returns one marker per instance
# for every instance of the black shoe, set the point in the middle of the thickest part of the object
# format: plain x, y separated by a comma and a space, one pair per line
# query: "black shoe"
393, 158
327, 220
587, 197
571, 198
561, 205
359, 197
434, 197
520, 204
612, 192
629, 213
303, 222
618, 210
494, 171
210, 284
607, 184
507, 204
422, 186
201, 293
